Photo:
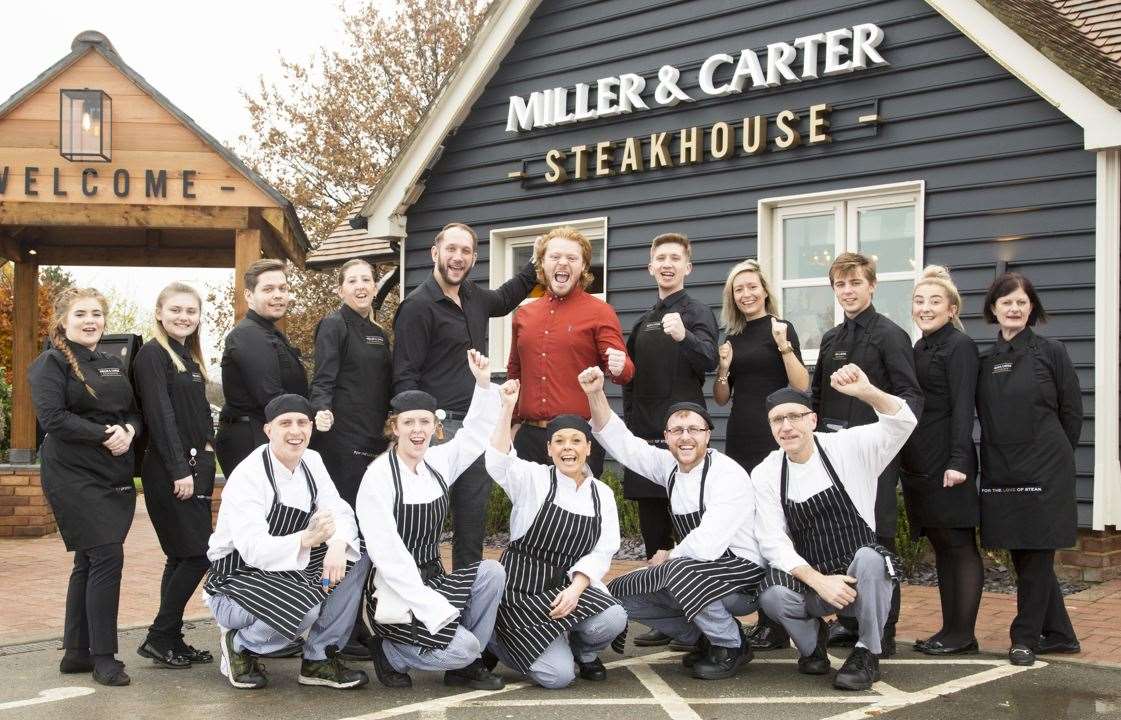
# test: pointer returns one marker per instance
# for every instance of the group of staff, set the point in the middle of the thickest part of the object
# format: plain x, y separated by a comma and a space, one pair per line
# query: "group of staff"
327, 540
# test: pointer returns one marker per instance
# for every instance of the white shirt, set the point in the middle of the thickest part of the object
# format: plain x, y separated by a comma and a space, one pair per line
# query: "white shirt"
527, 485
858, 455
246, 499
376, 497
729, 497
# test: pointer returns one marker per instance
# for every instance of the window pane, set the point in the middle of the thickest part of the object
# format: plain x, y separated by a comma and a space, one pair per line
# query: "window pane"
808, 244
888, 235
522, 255
894, 300
810, 309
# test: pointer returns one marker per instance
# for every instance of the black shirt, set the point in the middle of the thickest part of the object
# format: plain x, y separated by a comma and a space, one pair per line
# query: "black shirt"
175, 407
667, 371
882, 350
946, 366
258, 363
757, 371
433, 335
353, 374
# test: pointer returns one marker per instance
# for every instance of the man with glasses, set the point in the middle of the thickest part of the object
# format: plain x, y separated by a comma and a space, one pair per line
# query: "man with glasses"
816, 523
693, 592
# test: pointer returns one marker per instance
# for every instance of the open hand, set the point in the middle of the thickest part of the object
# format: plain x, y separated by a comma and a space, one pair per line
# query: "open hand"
837, 590
117, 439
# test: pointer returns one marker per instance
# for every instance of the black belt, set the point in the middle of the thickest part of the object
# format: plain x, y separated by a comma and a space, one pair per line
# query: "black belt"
452, 415
236, 419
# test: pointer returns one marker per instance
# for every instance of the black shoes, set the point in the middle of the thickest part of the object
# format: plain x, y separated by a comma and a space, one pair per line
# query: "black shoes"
938, 647
1021, 655
652, 639
817, 662
860, 670
722, 662
490, 660
387, 674
74, 662
196, 656
1051, 647
475, 676
594, 670
841, 635
161, 657
696, 655
678, 646
111, 672
768, 637
240, 668
331, 673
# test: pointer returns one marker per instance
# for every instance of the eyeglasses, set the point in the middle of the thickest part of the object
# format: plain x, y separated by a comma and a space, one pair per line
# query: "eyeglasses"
793, 418
679, 431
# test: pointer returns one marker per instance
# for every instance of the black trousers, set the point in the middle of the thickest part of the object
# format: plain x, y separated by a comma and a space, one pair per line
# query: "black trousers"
655, 524
92, 600
530, 443
181, 576
234, 441
1039, 601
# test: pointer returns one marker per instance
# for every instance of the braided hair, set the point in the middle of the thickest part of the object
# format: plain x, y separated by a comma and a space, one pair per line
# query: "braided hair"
62, 305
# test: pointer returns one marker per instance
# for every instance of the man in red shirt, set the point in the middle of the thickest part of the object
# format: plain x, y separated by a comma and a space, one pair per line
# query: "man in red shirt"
556, 337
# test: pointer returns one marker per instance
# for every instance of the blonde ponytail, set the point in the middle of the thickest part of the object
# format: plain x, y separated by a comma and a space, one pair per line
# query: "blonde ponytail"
940, 276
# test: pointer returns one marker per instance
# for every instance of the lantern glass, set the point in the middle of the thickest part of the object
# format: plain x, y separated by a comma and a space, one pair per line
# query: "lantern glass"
85, 125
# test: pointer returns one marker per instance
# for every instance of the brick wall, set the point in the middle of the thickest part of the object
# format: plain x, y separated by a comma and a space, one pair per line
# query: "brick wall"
1096, 557
23, 508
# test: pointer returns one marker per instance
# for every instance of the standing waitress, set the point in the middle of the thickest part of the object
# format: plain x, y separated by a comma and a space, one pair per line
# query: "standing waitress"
1030, 405
258, 364
178, 469
939, 462
85, 405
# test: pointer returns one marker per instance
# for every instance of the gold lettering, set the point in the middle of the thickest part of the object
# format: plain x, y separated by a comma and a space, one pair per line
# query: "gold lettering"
659, 152
720, 141
632, 157
754, 134
557, 171
580, 172
689, 146
819, 124
789, 136
605, 153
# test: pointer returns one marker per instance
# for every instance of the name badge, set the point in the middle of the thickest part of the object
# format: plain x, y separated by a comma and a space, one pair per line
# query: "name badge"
653, 327
375, 340
1000, 368
841, 356
197, 377
109, 372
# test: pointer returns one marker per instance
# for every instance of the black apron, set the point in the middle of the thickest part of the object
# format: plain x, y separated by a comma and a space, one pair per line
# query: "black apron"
182, 526
839, 415
826, 530
281, 598
1027, 463
420, 526
537, 566
692, 583
89, 490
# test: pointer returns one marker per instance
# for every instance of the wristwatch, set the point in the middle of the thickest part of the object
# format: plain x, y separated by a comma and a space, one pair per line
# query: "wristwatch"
787, 348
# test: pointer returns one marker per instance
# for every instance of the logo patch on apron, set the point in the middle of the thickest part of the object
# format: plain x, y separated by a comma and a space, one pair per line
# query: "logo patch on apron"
652, 326
113, 372
375, 340
841, 355
1000, 368
197, 377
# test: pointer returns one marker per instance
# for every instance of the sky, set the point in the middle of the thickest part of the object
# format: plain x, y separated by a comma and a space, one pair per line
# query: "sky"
200, 54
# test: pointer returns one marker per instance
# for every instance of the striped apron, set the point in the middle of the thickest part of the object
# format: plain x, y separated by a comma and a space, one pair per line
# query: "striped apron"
279, 598
826, 530
537, 566
693, 584
420, 526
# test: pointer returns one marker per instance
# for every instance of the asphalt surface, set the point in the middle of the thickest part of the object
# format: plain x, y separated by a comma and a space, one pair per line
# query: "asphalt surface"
651, 686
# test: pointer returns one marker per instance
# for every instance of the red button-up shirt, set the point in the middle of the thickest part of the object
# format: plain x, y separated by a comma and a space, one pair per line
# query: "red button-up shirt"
554, 340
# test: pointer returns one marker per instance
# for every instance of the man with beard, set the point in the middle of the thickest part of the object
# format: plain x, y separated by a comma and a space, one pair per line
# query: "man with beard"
435, 326
693, 592
555, 338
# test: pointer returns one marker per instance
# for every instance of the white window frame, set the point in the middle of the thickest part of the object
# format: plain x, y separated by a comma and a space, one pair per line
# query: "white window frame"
503, 241
846, 206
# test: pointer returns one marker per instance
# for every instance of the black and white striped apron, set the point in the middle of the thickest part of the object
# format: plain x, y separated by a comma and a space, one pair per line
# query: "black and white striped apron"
537, 566
692, 583
279, 598
420, 526
826, 530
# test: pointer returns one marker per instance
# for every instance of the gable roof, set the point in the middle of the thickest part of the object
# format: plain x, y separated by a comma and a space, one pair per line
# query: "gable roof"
350, 240
93, 41
1080, 94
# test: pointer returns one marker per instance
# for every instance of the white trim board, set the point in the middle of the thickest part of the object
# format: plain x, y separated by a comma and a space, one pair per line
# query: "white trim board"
1107, 325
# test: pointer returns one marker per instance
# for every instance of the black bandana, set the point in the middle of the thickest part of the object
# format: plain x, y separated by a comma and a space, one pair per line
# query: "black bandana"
285, 404
413, 400
691, 407
568, 422
789, 395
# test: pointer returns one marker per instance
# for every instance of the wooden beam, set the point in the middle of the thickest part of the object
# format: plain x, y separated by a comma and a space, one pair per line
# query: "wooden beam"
277, 221
25, 347
136, 256
153, 216
247, 250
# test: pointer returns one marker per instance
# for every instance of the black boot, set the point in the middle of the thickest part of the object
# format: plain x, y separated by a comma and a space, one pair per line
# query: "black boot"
654, 638
722, 662
110, 671
843, 632
75, 661
768, 635
861, 669
817, 662
387, 674
692, 658
475, 676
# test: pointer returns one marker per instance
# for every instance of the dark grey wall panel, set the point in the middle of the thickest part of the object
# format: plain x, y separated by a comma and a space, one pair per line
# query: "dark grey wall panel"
1006, 176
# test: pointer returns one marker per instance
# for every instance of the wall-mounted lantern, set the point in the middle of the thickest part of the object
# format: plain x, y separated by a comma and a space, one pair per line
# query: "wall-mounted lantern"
85, 125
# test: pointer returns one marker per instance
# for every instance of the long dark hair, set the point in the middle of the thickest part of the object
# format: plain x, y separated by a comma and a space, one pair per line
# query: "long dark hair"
1007, 284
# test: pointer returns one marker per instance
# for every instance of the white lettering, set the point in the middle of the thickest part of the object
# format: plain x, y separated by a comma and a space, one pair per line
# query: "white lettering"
521, 115
582, 104
708, 70
779, 57
808, 45
865, 38
748, 66
630, 92
561, 116
835, 51
606, 97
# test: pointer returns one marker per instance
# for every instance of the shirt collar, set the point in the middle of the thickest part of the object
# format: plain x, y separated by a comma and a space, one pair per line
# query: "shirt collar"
672, 299
80, 351
572, 296
179, 348
1017, 343
864, 318
347, 310
436, 293
279, 469
264, 322
938, 337
570, 484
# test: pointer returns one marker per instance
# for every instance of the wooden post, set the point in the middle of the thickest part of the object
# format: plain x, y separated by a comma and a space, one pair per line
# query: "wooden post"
25, 347
247, 250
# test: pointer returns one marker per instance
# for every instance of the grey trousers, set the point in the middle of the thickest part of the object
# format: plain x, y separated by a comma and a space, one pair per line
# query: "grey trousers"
716, 621
554, 668
476, 626
469, 498
328, 624
798, 612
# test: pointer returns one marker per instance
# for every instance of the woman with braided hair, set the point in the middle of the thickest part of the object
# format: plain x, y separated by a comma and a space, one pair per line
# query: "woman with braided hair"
85, 405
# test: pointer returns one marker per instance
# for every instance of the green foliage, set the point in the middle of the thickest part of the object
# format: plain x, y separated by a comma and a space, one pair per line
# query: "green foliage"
910, 552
